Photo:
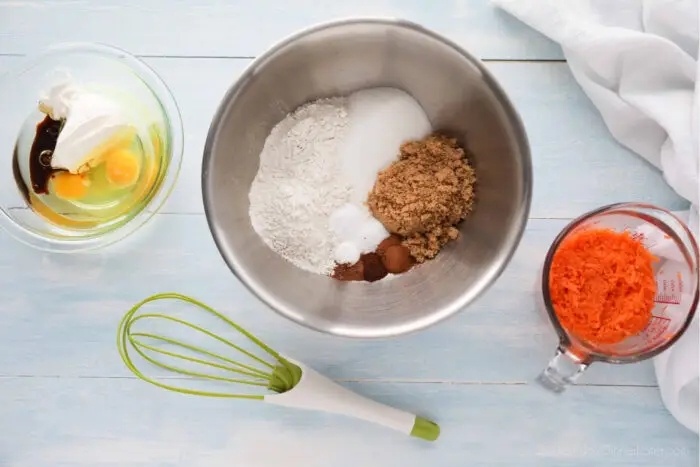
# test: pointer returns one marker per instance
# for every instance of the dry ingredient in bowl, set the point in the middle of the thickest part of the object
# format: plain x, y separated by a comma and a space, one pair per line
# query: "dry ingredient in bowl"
424, 194
379, 121
390, 257
602, 285
299, 184
307, 201
357, 232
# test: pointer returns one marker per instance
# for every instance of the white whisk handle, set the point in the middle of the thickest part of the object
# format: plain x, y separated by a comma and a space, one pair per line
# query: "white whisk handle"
316, 392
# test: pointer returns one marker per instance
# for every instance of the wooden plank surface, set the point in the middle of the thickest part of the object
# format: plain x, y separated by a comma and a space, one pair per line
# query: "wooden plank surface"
245, 28
85, 422
67, 399
64, 321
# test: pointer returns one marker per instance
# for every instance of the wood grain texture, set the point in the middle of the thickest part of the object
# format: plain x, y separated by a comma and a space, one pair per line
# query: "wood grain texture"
577, 164
64, 321
67, 422
68, 401
245, 28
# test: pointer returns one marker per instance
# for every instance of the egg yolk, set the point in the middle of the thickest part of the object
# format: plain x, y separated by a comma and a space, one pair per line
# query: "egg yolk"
122, 168
70, 186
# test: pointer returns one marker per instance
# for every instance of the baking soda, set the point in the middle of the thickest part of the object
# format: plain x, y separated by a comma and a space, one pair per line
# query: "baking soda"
358, 231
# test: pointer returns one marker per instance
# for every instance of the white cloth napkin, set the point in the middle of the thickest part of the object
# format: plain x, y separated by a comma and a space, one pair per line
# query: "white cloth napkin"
637, 60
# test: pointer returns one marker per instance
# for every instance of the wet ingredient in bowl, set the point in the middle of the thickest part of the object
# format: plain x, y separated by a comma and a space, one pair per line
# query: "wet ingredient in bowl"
92, 159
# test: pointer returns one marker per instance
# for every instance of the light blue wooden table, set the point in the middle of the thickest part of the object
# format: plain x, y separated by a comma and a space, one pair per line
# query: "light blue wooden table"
67, 400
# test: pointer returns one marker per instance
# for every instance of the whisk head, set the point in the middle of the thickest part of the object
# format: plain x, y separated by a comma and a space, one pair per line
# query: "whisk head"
167, 350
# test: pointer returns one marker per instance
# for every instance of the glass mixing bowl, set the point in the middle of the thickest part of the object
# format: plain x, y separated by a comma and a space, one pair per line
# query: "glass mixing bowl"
99, 67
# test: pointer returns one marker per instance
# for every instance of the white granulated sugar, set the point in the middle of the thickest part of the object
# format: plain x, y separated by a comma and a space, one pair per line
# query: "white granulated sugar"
380, 120
300, 183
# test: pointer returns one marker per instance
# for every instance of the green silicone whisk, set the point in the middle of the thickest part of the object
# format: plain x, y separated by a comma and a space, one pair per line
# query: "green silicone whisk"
278, 380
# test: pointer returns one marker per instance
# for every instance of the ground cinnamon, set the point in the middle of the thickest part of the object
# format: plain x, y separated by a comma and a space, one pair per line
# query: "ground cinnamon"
349, 272
390, 257
602, 285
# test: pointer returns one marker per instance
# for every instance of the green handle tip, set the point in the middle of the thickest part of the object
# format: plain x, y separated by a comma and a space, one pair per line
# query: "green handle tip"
425, 429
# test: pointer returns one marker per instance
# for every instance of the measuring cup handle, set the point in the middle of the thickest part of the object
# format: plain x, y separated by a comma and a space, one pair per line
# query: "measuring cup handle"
564, 369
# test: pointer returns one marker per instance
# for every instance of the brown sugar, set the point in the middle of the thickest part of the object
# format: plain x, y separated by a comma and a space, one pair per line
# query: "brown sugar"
424, 194
425, 246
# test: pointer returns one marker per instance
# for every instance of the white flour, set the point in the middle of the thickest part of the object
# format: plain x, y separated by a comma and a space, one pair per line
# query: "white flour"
300, 183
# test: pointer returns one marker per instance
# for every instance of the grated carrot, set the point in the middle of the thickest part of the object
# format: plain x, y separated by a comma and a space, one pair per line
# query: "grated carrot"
602, 285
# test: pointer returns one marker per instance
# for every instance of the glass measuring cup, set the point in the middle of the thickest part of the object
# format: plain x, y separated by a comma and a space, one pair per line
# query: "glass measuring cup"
676, 300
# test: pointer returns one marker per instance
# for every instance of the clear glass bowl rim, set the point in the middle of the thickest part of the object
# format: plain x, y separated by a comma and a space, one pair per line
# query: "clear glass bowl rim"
175, 134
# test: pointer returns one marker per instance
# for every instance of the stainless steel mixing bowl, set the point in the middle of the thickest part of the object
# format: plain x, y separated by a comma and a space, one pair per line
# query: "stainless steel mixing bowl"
460, 97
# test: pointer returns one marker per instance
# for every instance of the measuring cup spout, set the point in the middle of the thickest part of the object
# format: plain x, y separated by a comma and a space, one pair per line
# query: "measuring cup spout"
564, 369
